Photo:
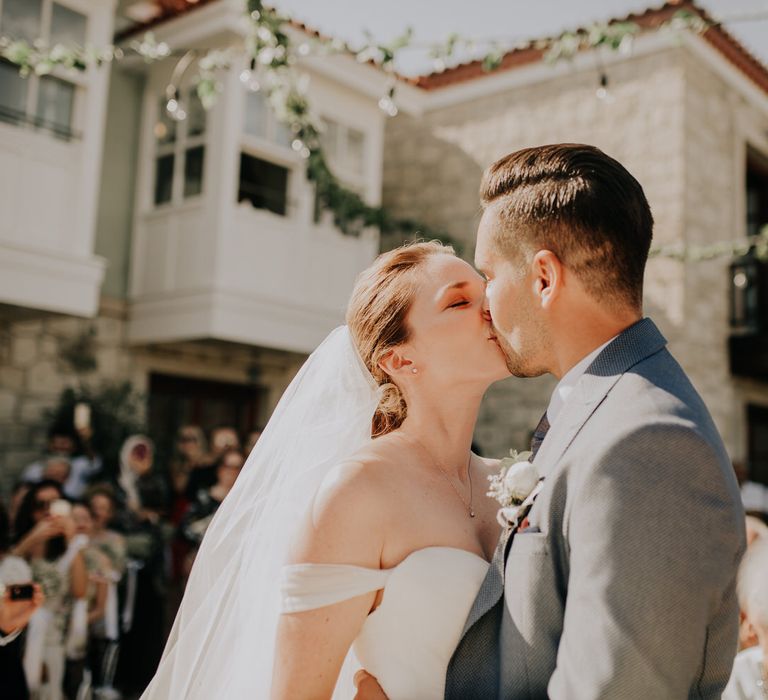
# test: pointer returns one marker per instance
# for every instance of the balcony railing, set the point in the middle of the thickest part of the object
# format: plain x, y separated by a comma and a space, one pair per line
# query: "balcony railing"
18, 118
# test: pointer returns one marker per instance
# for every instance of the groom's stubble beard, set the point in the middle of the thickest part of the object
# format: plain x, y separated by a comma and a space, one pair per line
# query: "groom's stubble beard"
526, 359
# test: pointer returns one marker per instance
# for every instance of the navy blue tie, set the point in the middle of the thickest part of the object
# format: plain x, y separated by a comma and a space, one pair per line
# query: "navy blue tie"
538, 435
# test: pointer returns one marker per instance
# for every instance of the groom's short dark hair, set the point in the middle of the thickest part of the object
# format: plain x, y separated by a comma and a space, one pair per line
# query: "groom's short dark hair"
582, 205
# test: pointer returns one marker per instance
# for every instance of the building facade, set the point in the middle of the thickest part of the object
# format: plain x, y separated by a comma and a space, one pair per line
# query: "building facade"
688, 116
187, 258
210, 276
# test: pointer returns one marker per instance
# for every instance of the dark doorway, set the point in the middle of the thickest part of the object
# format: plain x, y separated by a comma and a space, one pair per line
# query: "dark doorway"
175, 401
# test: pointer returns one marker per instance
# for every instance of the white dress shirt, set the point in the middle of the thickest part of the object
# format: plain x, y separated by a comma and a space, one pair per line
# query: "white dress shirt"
569, 381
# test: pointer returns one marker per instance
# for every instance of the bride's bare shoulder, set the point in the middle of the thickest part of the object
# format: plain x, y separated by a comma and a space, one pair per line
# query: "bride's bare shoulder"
350, 513
365, 473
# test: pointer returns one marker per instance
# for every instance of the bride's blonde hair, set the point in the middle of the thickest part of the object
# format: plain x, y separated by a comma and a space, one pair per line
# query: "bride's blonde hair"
376, 317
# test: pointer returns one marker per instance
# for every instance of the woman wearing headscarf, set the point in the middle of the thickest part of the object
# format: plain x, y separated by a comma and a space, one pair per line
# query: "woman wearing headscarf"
144, 497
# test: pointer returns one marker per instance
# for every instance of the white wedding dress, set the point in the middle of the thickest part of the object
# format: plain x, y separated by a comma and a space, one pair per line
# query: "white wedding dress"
408, 640
222, 644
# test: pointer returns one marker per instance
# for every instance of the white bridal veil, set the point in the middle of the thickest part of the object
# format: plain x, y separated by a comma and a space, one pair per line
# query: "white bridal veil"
222, 642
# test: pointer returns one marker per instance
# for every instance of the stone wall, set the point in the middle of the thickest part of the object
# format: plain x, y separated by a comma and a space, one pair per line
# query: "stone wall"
34, 371
670, 122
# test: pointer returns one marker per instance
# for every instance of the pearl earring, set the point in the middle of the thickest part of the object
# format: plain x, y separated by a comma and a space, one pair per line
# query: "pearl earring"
415, 371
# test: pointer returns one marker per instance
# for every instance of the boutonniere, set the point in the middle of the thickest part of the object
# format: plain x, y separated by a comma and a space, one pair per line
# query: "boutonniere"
516, 480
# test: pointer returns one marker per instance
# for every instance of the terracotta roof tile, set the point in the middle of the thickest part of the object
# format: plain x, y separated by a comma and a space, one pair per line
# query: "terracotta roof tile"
651, 18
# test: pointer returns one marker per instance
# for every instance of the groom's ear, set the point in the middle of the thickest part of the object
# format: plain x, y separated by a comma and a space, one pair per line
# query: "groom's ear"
547, 276
394, 362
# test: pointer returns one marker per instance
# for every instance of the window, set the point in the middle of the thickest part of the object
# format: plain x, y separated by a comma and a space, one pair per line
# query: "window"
45, 102
345, 148
261, 121
757, 192
757, 421
180, 151
263, 184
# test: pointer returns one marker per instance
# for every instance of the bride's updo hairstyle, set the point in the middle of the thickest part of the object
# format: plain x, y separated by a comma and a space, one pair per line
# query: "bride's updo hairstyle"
376, 317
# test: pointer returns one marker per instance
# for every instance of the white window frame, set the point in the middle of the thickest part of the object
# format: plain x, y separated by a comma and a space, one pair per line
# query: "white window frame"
78, 79
268, 149
339, 161
178, 148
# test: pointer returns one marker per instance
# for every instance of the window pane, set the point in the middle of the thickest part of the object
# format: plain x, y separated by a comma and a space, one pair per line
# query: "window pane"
20, 19
54, 104
67, 26
283, 135
193, 171
165, 128
13, 94
163, 179
331, 139
356, 150
263, 184
256, 114
196, 115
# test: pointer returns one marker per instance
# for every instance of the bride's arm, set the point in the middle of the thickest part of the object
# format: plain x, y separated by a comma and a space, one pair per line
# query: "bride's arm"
346, 526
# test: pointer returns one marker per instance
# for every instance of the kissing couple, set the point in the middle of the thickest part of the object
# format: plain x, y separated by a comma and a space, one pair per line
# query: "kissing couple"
360, 534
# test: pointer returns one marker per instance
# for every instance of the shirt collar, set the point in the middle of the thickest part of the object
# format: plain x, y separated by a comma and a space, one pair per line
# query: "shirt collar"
568, 383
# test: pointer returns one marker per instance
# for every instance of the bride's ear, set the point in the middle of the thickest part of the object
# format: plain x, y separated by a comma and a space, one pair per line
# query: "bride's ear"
394, 363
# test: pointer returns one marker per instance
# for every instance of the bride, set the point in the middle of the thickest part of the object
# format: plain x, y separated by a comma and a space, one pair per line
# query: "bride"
359, 531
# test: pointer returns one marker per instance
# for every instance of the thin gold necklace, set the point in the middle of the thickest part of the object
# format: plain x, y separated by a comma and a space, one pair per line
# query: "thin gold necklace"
445, 476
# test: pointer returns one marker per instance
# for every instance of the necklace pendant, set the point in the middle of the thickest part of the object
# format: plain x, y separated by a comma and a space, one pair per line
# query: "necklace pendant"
471, 513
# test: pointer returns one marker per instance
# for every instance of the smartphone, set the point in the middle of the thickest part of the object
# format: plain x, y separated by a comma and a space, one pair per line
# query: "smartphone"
60, 507
21, 591
82, 417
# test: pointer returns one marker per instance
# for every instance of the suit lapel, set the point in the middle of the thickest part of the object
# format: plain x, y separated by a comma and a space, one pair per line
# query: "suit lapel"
636, 343
492, 586
633, 345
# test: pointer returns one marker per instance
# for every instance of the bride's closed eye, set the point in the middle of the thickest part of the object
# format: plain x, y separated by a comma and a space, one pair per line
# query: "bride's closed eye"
458, 304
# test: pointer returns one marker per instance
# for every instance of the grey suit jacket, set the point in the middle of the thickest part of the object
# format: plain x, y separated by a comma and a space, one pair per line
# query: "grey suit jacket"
623, 586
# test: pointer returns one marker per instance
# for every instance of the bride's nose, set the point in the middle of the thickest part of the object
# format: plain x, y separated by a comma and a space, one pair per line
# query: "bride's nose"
486, 310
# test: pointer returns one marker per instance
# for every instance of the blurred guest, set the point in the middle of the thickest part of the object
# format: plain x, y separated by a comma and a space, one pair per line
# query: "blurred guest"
750, 669
57, 468
754, 496
190, 454
250, 442
19, 490
204, 476
102, 501
755, 528
144, 495
105, 632
99, 570
63, 442
207, 501
46, 538
14, 615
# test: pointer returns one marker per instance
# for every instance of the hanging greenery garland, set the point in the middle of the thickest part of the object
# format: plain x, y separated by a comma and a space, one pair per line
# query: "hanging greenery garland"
272, 60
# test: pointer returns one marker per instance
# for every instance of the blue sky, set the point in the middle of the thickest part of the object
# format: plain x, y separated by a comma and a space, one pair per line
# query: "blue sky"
434, 20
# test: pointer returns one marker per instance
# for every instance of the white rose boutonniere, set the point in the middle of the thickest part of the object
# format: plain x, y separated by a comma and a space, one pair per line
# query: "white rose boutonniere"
516, 480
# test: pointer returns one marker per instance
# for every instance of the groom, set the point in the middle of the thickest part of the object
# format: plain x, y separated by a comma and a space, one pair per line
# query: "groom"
620, 581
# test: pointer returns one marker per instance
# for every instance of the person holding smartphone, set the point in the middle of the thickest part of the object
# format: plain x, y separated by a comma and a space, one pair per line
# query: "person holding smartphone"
19, 600
46, 539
